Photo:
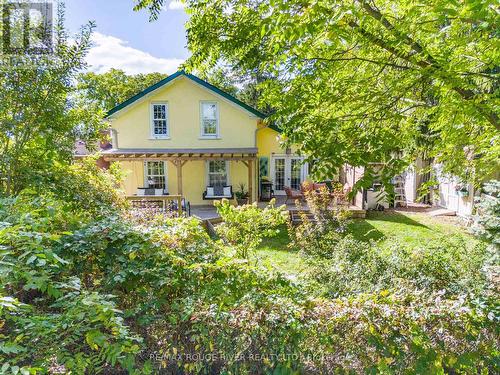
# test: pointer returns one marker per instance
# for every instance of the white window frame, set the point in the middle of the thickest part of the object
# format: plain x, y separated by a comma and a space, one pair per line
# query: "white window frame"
152, 121
217, 118
207, 174
165, 172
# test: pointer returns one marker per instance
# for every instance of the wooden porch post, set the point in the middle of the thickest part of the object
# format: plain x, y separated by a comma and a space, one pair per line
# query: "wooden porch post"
250, 180
178, 164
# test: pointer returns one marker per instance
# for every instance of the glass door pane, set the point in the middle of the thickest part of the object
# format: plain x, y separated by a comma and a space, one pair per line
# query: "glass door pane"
279, 175
295, 173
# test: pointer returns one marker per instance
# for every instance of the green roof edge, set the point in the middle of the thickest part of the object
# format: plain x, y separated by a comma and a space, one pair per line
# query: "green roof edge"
205, 84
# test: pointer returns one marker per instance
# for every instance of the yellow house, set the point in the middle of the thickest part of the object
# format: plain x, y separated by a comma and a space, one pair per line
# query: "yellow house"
184, 136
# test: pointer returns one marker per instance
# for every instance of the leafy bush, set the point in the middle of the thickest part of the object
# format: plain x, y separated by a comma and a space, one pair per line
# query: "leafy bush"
320, 227
244, 227
487, 219
54, 320
86, 186
404, 333
106, 294
372, 333
354, 266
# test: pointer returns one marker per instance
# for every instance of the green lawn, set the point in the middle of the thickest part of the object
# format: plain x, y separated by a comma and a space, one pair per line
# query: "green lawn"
275, 252
378, 226
404, 227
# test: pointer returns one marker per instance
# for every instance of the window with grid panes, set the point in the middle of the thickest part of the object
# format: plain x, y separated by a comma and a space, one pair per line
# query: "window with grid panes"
159, 124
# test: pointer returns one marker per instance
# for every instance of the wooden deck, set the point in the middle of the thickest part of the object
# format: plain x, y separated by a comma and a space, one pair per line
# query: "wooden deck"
209, 215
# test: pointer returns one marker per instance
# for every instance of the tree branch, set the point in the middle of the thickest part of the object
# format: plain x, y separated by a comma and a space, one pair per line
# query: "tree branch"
359, 59
427, 62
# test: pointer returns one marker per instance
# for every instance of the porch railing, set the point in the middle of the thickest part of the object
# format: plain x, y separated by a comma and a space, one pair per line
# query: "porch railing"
139, 201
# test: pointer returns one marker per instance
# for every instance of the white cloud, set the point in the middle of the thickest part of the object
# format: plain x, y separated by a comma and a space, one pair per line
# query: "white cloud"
176, 5
111, 52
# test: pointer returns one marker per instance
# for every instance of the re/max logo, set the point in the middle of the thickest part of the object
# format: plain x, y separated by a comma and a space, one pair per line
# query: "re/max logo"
27, 27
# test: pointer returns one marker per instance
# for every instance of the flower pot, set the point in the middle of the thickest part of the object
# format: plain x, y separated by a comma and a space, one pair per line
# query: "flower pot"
242, 202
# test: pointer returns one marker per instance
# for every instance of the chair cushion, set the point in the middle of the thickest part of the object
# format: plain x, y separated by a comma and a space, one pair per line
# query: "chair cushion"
149, 191
218, 191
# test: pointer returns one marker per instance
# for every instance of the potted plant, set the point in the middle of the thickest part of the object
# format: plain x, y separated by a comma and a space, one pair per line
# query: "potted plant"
241, 195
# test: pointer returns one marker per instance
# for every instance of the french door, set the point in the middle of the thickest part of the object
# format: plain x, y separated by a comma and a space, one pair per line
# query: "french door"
288, 171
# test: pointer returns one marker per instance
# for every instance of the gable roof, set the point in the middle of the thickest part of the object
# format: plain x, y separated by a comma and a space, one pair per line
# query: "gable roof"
201, 82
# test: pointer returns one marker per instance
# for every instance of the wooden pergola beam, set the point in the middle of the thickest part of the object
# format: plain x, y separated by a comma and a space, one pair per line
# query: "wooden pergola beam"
172, 158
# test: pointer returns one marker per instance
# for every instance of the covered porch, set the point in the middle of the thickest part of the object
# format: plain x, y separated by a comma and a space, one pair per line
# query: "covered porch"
187, 172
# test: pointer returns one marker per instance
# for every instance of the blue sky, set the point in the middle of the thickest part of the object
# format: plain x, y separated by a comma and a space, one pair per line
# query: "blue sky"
126, 39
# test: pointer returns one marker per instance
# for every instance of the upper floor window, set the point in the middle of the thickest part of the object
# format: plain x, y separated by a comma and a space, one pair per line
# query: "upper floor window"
209, 120
159, 120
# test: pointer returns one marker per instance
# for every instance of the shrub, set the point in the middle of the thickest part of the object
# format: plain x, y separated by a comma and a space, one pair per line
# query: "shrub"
321, 227
487, 219
487, 227
54, 321
90, 293
371, 333
351, 267
354, 266
86, 186
244, 227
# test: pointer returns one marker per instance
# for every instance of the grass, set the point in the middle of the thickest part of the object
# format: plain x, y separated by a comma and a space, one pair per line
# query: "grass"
409, 228
275, 252
385, 227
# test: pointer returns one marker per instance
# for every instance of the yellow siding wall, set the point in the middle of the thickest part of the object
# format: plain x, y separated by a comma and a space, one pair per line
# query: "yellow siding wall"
237, 128
134, 176
268, 143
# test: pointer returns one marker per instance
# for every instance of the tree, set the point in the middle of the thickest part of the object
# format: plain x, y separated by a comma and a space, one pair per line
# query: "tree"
39, 118
366, 81
109, 89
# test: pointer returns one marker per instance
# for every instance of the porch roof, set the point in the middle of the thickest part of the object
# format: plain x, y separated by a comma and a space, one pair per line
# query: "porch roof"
181, 154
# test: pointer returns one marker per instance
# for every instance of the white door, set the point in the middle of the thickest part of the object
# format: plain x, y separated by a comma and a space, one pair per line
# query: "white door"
448, 196
288, 171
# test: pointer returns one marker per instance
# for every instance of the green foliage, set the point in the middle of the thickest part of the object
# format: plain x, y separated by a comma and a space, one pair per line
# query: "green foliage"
409, 332
241, 193
87, 186
353, 267
244, 227
54, 320
365, 82
320, 227
91, 292
40, 118
109, 89
487, 219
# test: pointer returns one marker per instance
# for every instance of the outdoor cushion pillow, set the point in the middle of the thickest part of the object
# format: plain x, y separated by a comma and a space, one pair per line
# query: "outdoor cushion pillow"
210, 191
227, 191
218, 191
